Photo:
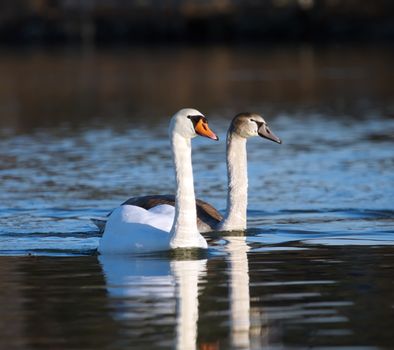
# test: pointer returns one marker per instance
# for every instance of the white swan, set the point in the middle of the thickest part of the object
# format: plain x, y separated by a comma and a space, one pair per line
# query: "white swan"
132, 229
243, 126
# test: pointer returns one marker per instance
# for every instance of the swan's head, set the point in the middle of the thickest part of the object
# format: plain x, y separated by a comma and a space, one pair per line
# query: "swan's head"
251, 124
189, 123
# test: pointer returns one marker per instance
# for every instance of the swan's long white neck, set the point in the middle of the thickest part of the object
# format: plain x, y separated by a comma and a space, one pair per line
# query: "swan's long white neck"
237, 175
184, 229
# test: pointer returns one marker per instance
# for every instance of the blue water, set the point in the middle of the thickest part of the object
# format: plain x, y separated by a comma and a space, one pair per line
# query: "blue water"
315, 267
321, 185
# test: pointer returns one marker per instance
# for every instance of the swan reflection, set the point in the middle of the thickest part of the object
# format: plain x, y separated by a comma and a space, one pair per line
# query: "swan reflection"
239, 291
160, 282
244, 334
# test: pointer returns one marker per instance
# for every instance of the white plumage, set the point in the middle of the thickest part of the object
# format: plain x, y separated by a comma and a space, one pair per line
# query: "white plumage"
132, 229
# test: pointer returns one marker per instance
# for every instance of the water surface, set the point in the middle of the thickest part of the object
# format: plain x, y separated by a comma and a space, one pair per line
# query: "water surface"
83, 131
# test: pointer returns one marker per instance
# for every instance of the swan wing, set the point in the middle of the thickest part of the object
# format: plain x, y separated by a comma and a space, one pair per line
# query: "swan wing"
208, 218
131, 229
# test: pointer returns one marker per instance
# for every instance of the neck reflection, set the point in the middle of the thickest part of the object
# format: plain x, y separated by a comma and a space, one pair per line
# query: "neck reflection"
149, 288
239, 291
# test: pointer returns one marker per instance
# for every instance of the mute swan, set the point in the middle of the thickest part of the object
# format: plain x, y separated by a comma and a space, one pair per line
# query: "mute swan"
243, 126
131, 228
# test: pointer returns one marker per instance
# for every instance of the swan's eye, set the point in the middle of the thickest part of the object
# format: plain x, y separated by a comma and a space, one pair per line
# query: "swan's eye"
196, 118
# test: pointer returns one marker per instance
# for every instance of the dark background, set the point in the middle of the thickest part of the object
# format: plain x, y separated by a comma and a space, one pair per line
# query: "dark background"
104, 22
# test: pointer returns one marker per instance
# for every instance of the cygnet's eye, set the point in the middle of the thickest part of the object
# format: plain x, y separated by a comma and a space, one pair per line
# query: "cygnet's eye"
257, 122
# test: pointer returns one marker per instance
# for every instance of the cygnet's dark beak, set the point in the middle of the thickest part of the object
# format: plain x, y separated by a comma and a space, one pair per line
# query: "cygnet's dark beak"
264, 131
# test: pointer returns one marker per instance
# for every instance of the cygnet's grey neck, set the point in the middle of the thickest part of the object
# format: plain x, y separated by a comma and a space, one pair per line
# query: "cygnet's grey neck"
237, 175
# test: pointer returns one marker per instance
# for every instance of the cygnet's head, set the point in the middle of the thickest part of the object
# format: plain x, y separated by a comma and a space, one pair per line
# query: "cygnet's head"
189, 123
251, 124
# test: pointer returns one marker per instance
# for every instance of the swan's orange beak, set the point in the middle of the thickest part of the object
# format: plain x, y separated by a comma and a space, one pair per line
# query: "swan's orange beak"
202, 129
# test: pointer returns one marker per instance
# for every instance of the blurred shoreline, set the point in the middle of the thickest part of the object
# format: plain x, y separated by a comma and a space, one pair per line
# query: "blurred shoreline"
147, 22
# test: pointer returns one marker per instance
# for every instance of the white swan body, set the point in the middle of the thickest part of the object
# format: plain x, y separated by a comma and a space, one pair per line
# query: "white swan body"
132, 229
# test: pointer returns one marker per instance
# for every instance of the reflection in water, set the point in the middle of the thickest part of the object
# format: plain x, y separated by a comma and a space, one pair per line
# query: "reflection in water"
12, 303
312, 297
53, 303
246, 324
239, 291
39, 88
187, 275
160, 281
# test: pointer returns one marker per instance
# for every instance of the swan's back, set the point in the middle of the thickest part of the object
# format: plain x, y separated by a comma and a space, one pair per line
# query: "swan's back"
207, 216
132, 229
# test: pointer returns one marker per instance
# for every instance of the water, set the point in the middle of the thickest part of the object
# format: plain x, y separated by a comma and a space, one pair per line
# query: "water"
83, 131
